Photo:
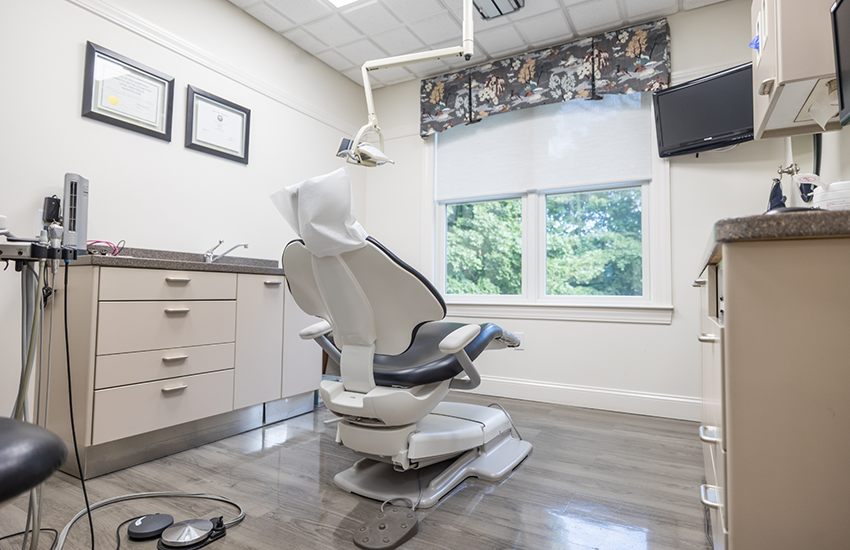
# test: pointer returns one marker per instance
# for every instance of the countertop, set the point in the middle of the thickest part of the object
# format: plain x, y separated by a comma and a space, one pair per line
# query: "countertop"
812, 224
182, 261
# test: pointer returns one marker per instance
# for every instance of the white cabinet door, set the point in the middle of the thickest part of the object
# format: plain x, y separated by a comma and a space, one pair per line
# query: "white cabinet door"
259, 336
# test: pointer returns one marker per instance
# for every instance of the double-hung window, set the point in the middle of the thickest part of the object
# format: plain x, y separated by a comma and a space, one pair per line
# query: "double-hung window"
556, 211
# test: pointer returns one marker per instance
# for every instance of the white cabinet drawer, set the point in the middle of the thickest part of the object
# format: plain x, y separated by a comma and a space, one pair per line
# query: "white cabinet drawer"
118, 283
131, 410
124, 327
132, 368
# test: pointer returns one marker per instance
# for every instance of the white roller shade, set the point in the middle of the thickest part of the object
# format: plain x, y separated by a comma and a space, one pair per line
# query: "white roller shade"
571, 144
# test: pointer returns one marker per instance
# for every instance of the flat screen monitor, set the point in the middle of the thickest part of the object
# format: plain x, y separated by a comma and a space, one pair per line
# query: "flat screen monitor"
707, 113
841, 39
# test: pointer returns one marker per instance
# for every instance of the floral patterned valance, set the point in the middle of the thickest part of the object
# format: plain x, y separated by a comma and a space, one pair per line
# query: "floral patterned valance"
635, 59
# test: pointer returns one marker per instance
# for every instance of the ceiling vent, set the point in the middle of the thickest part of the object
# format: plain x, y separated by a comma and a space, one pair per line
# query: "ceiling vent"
496, 8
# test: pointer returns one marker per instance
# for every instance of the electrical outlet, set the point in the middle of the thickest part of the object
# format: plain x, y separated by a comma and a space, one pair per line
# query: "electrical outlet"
521, 336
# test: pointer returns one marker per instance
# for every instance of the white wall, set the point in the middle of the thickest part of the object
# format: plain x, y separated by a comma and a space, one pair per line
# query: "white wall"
148, 192
648, 369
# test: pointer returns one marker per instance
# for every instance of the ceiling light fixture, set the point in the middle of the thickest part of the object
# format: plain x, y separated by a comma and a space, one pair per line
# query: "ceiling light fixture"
341, 3
496, 8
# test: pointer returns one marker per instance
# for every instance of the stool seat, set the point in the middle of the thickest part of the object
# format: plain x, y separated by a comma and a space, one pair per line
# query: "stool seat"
29, 454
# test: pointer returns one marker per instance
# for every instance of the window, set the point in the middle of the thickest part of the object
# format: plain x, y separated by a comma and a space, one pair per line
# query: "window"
560, 211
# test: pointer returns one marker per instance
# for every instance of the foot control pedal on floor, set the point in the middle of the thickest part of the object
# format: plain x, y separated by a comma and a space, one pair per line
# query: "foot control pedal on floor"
392, 527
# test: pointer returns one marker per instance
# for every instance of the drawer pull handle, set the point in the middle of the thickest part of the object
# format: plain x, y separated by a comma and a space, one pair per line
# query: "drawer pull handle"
175, 388
177, 279
700, 282
710, 495
709, 434
708, 338
174, 358
177, 310
273, 283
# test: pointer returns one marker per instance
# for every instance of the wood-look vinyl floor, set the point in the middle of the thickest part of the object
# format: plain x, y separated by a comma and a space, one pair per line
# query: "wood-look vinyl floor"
595, 480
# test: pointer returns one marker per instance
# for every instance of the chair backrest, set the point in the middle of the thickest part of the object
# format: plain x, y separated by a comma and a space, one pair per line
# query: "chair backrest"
367, 295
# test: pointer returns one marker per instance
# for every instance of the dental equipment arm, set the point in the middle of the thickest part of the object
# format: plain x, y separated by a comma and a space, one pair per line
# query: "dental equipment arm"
364, 153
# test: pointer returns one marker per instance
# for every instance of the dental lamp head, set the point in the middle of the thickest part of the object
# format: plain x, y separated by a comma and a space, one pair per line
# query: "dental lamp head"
362, 153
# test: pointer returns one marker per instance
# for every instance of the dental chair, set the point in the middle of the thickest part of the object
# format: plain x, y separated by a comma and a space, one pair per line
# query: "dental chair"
381, 322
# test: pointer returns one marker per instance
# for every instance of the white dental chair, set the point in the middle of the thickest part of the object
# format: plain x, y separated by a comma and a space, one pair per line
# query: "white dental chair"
380, 322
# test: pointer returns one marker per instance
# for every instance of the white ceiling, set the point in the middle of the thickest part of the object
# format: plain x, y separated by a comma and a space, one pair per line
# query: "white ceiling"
344, 38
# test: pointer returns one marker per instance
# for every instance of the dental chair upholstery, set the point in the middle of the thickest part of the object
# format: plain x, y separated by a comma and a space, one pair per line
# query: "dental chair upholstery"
381, 321
29, 454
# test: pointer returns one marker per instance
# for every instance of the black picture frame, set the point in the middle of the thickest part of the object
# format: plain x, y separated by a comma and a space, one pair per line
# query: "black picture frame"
127, 94
220, 136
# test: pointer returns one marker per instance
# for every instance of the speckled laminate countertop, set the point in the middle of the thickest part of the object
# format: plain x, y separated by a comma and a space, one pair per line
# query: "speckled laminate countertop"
811, 224
182, 261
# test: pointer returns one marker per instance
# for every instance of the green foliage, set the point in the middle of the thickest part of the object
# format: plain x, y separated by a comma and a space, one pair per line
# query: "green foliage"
593, 243
484, 247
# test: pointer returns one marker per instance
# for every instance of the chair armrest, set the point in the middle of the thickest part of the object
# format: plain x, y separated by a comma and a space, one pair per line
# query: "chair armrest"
459, 338
316, 330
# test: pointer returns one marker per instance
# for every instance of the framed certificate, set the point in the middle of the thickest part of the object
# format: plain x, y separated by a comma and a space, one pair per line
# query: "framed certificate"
121, 92
217, 126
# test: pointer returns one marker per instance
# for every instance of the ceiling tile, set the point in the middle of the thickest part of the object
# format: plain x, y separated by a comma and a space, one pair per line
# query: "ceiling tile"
479, 23
596, 15
438, 29
691, 4
355, 75
333, 31
371, 18
391, 76
243, 3
398, 41
362, 51
428, 68
532, 8
500, 40
413, 10
636, 9
270, 17
550, 28
301, 11
335, 60
304, 40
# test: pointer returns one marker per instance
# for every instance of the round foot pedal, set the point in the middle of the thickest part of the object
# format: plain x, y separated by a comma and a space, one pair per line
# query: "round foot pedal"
187, 533
149, 527
393, 526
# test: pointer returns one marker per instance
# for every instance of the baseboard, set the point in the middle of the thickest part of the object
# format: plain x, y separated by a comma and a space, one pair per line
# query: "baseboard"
650, 404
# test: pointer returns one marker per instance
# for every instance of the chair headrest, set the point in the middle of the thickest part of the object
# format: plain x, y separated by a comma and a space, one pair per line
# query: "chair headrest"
321, 211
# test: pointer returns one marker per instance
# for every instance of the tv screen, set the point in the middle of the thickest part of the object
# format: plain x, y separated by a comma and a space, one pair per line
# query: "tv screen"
841, 39
708, 113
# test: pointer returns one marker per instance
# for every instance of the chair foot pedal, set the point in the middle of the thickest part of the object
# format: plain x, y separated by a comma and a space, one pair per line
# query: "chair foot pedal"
390, 529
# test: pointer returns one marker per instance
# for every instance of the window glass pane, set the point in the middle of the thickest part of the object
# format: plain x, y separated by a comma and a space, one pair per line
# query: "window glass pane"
484, 247
593, 243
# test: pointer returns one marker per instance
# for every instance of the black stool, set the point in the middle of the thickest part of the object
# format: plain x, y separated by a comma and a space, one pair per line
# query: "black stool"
29, 454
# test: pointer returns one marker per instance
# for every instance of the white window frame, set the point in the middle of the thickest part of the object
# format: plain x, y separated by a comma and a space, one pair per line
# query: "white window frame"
653, 307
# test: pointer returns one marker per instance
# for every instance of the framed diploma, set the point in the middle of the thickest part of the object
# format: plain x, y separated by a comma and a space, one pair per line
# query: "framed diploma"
121, 92
217, 126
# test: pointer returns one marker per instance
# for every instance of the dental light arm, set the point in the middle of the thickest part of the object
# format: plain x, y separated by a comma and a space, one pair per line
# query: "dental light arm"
357, 152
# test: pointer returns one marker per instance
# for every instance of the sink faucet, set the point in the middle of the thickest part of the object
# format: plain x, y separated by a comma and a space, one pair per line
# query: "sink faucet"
209, 257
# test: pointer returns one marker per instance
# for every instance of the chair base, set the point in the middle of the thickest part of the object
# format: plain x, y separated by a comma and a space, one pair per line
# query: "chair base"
380, 481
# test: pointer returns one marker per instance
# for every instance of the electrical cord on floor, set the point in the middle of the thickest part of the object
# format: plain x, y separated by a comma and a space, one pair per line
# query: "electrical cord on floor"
55, 536
707, 526
71, 408
164, 494
511, 420
118, 530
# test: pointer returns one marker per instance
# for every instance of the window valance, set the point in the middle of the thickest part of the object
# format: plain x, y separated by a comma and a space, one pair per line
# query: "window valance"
634, 59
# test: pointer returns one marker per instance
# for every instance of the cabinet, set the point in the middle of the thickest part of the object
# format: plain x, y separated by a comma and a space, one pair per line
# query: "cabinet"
163, 360
792, 67
776, 412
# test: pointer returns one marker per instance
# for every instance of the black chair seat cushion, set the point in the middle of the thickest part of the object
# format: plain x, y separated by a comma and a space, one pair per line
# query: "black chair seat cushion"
423, 362
29, 454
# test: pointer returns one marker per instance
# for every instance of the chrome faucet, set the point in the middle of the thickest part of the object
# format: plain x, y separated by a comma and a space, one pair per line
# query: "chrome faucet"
209, 257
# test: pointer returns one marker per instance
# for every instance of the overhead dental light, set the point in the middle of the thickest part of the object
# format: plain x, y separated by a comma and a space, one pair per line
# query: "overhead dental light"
356, 151
496, 8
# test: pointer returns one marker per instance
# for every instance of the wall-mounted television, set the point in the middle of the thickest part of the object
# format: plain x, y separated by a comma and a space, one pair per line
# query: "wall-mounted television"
707, 113
841, 39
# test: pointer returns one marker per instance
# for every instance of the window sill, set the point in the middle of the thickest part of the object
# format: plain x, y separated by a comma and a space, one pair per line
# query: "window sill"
637, 313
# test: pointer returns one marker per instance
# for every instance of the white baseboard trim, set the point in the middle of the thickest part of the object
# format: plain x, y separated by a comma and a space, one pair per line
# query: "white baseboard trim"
650, 404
